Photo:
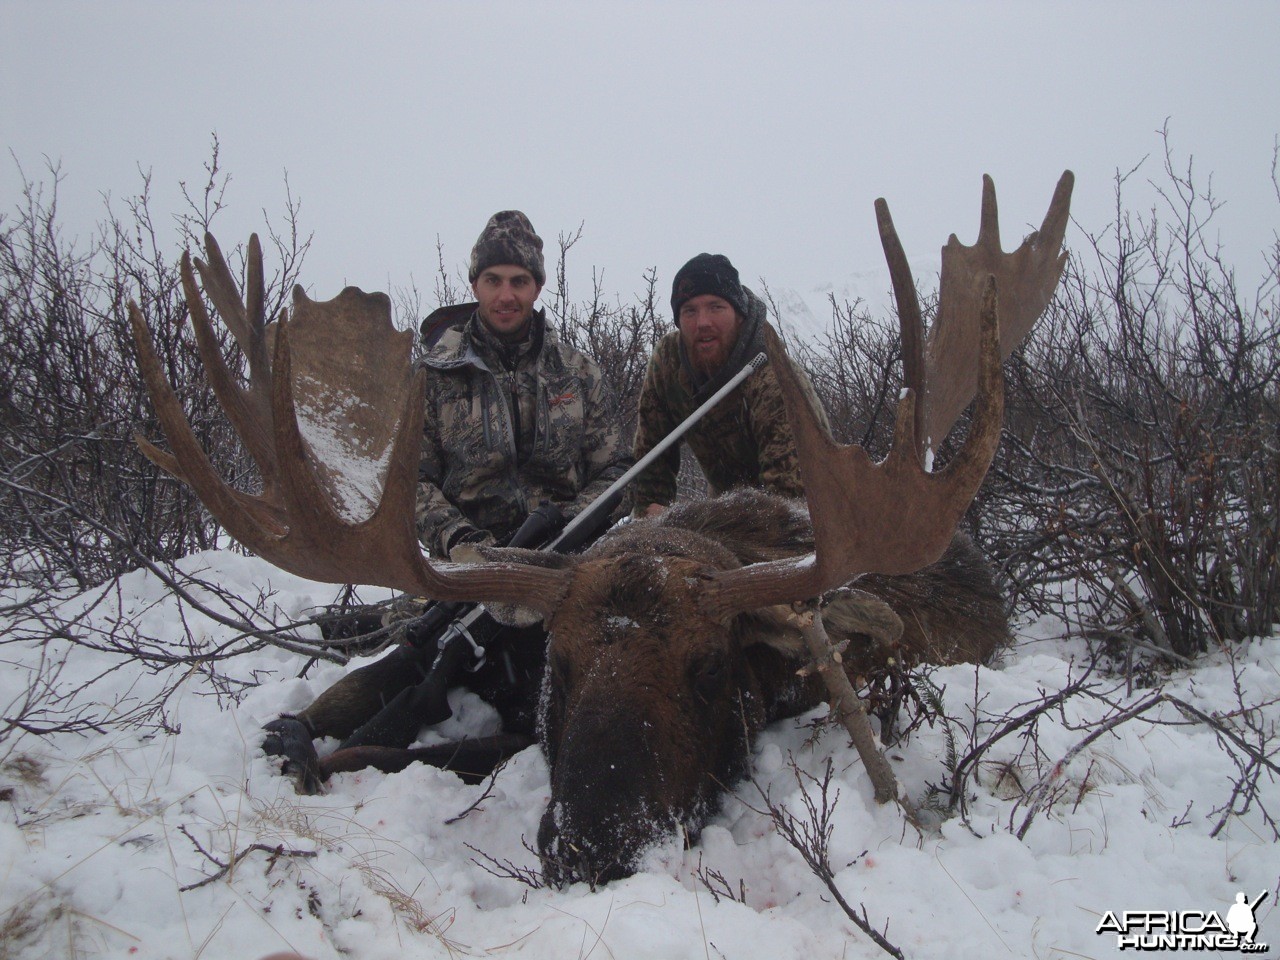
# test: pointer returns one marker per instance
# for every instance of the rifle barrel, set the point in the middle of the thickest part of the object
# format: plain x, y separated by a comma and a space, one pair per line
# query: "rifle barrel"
605, 503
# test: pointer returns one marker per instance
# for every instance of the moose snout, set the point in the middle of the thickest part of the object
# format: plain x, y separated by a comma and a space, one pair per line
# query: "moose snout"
607, 805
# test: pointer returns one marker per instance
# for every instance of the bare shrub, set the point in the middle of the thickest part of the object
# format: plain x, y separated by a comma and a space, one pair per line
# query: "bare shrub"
1141, 459
77, 498
620, 336
1038, 780
1137, 487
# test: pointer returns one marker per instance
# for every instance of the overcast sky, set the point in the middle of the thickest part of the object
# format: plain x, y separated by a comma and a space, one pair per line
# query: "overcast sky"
760, 130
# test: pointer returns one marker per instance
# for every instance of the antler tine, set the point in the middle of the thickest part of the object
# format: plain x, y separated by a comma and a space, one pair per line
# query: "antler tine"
255, 299
893, 517
249, 411
246, 319
1026, 279
988, 217
910, 320
244, 516
221, 287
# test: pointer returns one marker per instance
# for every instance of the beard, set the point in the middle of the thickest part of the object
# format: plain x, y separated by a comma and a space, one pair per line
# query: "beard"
707, 357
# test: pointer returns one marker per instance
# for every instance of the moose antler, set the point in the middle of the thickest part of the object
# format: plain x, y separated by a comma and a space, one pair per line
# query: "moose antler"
333, 419
943, 369
897, 516
333, 411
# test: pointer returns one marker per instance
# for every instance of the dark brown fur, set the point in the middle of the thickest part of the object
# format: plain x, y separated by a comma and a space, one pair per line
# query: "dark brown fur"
649, 707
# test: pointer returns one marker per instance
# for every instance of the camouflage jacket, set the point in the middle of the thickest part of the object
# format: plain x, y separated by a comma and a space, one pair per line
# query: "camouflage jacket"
498, 441
744, 441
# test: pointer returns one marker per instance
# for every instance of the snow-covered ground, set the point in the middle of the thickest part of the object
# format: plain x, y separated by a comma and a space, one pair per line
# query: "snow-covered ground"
100, 831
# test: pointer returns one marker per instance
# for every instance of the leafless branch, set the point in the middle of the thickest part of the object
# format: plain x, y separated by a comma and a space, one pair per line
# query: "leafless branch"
273, 854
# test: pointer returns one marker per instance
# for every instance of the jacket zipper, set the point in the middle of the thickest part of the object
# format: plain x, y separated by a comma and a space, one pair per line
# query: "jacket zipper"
484, 415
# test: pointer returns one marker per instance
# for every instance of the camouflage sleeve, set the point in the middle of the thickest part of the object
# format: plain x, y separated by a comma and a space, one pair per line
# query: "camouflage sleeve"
436, 518
779, 463
605, 456
655, 420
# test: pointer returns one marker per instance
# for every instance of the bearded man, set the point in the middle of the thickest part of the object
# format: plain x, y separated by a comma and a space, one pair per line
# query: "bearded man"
746, 439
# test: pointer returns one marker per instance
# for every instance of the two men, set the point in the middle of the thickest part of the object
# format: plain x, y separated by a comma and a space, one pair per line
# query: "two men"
513, 419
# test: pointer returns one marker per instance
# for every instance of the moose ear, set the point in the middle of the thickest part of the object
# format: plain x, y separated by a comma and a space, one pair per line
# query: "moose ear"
846, 612
772, 627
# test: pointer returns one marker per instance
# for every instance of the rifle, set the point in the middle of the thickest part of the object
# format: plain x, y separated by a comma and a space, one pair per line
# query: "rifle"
461, 630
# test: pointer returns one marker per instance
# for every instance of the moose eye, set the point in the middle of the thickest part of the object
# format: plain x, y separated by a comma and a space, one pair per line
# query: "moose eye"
709, 677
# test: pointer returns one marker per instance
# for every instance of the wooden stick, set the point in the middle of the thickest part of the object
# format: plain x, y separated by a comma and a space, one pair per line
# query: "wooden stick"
846, 706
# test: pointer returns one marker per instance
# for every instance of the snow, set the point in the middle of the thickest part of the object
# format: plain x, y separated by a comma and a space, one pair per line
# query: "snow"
100, 829
353, 465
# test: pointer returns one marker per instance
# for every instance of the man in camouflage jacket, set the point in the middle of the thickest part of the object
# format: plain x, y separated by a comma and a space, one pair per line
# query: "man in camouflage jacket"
513, 416
746, 439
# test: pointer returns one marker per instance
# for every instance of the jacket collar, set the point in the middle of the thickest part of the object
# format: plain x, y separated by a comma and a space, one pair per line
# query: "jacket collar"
453, 339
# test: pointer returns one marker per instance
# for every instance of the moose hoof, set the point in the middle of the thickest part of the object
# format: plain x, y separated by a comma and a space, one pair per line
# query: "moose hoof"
289, 738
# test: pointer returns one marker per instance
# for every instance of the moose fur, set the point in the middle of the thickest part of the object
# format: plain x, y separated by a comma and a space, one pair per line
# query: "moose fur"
646, 707
649, 709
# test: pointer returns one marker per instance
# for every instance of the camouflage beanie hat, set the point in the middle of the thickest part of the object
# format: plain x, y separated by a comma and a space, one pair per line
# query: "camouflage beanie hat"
707, 273
508, 239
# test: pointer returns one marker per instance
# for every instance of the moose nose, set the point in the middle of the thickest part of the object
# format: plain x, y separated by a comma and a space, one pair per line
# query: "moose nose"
606, 799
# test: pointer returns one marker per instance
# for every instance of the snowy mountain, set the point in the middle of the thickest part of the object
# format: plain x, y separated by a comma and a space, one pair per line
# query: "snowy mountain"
808, 310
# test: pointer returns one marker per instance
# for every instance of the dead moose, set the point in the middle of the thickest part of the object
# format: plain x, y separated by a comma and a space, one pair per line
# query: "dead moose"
672, 640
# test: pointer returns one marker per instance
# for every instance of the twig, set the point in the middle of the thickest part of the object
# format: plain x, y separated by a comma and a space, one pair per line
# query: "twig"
488, 792
846, 706
1041, 792
506, 870
718, 886
1192, 712
273, 853
961, 772
811, 838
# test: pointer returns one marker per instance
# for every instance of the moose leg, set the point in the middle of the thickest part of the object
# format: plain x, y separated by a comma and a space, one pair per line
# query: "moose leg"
472, 759
347, 705
362, 694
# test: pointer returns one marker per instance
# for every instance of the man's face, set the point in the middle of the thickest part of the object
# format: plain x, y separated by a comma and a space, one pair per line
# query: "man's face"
506, 295
709, 328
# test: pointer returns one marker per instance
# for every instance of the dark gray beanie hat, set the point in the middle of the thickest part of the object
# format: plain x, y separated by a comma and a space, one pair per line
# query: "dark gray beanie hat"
508, 239
707, 273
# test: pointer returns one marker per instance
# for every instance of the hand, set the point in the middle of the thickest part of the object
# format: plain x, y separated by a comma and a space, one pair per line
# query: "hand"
653, 509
